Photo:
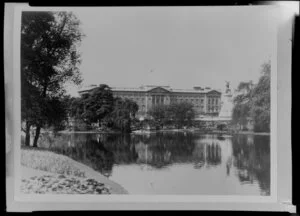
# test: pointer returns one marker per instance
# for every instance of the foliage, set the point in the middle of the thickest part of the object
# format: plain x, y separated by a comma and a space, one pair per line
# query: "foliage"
93, 107
76, 108
49, 59
254, 101
160, 114
98, 104
123, 114
182, 113
178, 113
262, 101
221, 126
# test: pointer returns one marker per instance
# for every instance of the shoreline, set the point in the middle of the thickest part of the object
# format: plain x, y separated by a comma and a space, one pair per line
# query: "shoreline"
174, 130
89, 173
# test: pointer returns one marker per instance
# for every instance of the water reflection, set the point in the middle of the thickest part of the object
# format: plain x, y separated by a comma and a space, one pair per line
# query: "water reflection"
244, 159
252, 159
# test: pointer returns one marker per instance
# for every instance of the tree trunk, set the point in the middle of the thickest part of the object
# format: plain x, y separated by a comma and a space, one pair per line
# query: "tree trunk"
36, 137
27, 137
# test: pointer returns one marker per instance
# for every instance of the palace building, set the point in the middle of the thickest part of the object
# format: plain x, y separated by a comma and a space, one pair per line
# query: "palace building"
206, 101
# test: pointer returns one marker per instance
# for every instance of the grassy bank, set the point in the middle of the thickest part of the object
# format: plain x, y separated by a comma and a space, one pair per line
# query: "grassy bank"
67, 175
44, 160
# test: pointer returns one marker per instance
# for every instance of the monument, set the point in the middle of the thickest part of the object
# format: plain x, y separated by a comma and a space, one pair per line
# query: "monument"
226, 104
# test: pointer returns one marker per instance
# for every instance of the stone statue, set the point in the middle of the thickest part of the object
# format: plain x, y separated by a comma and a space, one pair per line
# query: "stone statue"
227, 86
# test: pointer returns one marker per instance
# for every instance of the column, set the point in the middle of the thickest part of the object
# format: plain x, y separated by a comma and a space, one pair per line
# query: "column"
146, 102
205, 104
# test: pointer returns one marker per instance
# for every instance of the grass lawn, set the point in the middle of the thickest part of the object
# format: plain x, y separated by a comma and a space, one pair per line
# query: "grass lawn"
46, 168
48, 161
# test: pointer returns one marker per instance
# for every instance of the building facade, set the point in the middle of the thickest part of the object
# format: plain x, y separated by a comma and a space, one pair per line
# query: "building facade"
206, 101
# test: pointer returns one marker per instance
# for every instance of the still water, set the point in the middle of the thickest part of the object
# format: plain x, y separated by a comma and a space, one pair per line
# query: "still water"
174, 163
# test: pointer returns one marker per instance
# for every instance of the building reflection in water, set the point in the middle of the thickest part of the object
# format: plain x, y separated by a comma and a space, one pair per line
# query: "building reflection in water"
145, 155
148, 155
207, 152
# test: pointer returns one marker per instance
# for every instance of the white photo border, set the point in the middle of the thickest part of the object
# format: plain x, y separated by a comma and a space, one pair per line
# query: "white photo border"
203, 202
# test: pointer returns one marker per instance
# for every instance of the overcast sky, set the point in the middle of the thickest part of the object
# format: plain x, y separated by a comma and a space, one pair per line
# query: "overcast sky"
177, 46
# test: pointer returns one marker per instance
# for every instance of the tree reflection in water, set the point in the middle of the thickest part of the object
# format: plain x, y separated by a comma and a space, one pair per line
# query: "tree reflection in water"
88, 149
249, 155
252, 159
162, 149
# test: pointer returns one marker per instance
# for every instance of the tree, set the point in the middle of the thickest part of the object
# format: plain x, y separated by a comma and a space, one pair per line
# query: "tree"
61, 106
254, 101
76, 109
160, 114
181, 113
49, 59
242, 103
131, 107
262, 100
98, 104
122, 115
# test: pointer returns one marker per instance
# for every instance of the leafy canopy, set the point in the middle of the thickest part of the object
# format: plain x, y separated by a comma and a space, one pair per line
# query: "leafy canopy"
49, 59
254, 101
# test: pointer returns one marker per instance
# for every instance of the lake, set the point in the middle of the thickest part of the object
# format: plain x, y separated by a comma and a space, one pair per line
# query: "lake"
173, 162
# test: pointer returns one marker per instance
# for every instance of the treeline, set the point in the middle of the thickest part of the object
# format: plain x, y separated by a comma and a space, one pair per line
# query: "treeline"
253, 102
101, 108
177, 114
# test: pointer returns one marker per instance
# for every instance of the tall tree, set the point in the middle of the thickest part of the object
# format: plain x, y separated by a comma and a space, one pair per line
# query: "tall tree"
122, 115
97, 104
262, 100
49, 59
254, 101
242, 103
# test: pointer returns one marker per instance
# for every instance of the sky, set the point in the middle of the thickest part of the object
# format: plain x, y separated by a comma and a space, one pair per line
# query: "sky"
177, 46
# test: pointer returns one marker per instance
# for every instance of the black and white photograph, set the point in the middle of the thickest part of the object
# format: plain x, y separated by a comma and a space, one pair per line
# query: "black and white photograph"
148, 101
